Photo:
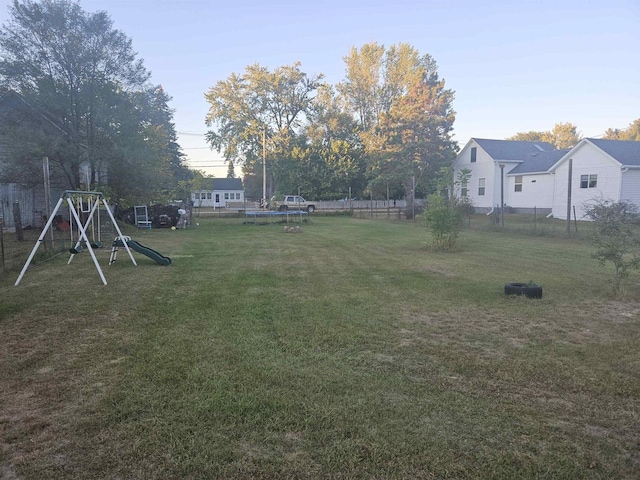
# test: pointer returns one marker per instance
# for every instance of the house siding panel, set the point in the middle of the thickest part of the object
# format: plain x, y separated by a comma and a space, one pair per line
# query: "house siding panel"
211, 202
631, 187
537, 191
483, 167
587, 160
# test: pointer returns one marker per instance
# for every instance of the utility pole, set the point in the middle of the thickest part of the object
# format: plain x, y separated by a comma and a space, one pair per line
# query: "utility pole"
502, 195
264, 168
47, 190
413, 197
569, 196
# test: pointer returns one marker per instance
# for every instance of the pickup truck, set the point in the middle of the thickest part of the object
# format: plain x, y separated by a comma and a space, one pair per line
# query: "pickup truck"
291, 202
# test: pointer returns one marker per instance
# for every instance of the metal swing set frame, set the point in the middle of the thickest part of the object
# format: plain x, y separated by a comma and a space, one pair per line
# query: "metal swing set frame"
95, 199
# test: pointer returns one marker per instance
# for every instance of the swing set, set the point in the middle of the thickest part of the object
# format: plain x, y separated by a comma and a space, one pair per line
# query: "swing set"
81, 205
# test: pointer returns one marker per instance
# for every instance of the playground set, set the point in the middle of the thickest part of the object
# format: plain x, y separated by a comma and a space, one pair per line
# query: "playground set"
84, 218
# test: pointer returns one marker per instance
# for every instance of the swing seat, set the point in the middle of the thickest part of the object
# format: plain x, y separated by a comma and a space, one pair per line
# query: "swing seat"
76, 250
96, 245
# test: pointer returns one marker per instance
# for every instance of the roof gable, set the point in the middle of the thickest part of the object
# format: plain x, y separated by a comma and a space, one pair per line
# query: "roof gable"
226, 184
626, 152
512, 149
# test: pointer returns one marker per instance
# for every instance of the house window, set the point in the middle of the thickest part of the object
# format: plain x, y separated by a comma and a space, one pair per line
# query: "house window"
464, 189
203, 196
208, 195
226, 196
518, 183
237, 196
481, 185
588, 181
474, 153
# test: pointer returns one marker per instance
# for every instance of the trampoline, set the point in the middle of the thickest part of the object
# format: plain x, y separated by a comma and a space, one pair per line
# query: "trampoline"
276, 216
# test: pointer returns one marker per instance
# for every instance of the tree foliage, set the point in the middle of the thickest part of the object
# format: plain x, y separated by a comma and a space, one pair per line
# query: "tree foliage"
244, 109
389, 121
563, 135
616, 237
83, 74
443, 217
411, 139
632, 132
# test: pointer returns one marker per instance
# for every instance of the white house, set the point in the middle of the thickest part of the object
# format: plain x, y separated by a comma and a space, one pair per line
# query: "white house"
492, 162
530, 185
222, 192
534, 175
600, 170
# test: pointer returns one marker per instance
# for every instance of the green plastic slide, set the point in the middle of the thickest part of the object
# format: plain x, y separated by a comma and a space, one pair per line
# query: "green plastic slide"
149, 252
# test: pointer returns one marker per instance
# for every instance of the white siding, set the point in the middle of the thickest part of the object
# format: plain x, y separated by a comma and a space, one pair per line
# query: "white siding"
587, 160
631, 187
537, 191
198, 201
484, 167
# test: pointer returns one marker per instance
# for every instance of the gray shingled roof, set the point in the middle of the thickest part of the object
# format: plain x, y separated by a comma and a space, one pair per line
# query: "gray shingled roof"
624, 151
539, 162
512, 149
227, 184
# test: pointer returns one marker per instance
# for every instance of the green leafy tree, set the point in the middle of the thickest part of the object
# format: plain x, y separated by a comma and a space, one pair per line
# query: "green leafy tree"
332, 138
74, 66
145, 161
244, 109
632, 132
616, 236
405, 114
161, 117
363, 88
414, 137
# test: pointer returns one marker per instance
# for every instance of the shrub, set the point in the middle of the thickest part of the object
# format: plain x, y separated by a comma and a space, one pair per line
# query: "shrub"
616, 236
444, 220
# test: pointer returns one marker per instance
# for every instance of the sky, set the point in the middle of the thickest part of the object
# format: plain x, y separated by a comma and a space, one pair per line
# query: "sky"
515, 65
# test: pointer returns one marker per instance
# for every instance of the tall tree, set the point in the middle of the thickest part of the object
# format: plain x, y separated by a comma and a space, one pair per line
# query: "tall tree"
632, 132
333, 136
260, 104
415, 136
82, 74
363, 86
161, 116
145, 158
404, 112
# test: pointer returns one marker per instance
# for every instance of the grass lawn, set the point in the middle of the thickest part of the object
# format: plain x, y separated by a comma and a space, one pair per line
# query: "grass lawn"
346, 351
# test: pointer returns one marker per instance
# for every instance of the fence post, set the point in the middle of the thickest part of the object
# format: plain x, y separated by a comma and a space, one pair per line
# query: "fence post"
17, 218
1, 244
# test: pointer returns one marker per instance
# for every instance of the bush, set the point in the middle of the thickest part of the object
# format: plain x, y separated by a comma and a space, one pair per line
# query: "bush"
444, 220
616, 236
